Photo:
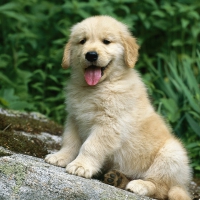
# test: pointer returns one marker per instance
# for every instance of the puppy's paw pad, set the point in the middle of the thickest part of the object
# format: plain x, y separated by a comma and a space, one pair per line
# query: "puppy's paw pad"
116, 178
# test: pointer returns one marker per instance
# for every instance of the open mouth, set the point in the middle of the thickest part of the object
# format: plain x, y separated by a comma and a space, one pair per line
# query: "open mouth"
94, 73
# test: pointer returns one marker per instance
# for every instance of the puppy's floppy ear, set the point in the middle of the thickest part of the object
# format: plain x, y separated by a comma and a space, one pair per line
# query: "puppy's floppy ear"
130, 51
66, 56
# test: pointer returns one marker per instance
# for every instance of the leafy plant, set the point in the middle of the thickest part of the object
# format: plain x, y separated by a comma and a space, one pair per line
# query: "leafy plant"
179, 92
176, 94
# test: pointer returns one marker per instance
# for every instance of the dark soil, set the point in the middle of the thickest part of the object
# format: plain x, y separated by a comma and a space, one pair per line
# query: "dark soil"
195, 189
29, 125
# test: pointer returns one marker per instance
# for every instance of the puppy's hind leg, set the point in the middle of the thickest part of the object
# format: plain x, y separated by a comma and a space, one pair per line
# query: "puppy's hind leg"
168, 176
178, 193
148, 188
119, 180
141, 187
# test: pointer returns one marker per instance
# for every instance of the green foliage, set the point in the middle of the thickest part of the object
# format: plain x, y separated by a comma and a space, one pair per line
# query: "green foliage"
33, 34
174, 86
177, 91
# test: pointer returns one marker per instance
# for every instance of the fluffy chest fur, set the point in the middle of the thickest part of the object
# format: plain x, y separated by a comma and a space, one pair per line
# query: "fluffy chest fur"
95, 106
109, 104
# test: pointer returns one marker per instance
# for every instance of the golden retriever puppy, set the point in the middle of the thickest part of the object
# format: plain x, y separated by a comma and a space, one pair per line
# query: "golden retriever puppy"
110, 118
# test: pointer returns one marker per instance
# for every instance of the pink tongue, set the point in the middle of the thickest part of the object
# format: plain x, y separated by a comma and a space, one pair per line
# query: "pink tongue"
92, 75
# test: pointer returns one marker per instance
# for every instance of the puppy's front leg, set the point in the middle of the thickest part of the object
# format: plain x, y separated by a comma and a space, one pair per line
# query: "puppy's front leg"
101, 143
70, 146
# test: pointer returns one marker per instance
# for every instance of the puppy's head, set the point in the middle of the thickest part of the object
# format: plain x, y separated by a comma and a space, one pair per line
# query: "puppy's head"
100, 47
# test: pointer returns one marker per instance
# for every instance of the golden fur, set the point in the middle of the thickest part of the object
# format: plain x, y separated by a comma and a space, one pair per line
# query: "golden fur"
114, 121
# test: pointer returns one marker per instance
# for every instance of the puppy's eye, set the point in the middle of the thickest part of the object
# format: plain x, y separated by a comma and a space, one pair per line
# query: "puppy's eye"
106, 41
82, 41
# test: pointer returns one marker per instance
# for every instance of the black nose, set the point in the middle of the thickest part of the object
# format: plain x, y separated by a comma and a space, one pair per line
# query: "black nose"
91, 56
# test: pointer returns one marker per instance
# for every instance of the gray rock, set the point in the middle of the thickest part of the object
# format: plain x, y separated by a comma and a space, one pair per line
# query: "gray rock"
24, 177
29, 178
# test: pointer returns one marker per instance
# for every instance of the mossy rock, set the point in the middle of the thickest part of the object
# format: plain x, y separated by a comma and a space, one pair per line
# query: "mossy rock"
28, 178
20, 133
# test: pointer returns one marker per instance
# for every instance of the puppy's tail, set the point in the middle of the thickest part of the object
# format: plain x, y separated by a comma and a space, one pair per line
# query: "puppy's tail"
178, 193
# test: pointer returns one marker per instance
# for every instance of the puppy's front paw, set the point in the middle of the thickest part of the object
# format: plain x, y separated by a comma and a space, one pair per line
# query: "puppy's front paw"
116, 178
58, 159
80, 169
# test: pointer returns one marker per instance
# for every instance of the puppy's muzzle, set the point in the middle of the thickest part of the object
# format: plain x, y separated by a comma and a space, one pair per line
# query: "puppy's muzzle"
91, 56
